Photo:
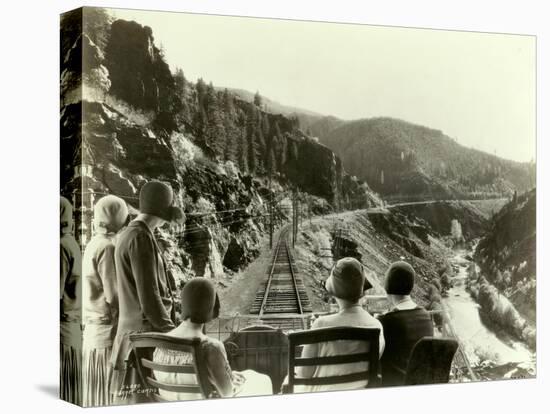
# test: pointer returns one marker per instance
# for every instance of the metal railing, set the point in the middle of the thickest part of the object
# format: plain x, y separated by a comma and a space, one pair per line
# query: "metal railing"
225, 326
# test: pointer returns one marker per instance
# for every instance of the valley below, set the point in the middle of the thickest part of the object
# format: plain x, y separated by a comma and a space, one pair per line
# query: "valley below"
445, 269
493, 354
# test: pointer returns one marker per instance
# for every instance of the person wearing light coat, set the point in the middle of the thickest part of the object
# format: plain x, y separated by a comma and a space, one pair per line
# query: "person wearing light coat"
100, 300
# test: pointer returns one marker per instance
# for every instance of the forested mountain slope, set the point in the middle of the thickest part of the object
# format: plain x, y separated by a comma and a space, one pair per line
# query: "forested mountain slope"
402, 159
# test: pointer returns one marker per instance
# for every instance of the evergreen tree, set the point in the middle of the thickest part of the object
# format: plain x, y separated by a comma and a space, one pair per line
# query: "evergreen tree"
97, 25
215, 131
251, 125
265, 125
180, 106
180, 81
201, 89
258, 99
231, 131
242, 151
228, 106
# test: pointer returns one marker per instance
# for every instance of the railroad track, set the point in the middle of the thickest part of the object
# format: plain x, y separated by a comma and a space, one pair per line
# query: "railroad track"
283, 297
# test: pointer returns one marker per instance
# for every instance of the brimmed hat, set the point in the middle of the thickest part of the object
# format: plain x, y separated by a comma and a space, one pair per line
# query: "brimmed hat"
347, 279
157, 198
400, 278
199, 301
110, 214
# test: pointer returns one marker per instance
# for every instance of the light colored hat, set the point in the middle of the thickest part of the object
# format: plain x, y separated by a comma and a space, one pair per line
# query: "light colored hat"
110, 214
347, 279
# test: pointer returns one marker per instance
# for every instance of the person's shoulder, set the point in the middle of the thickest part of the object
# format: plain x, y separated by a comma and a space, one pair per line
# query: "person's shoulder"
421, 309
322, 322
104, 246
212, 343
213, 348
371, 321
132, 236
69, 244
386, 316
422, 312
99, 243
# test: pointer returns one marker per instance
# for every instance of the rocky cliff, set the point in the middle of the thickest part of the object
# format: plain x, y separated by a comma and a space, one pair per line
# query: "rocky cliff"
507, 253
440, 216
126, 118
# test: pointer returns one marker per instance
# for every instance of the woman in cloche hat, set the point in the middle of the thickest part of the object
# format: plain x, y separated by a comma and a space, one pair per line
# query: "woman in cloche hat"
347, 283
404, 324
100, 299
200, 305
144, 288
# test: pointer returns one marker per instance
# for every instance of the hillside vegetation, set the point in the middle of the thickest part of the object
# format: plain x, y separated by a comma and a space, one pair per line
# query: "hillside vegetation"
410, 161
127, 118
507, 253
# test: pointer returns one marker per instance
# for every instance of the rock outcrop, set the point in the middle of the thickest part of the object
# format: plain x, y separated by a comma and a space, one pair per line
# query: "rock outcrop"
126, 119
507, 253
440, 216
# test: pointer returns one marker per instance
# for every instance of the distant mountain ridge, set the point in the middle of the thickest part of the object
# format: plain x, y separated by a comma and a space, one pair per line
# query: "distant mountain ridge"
402, 160
271, 105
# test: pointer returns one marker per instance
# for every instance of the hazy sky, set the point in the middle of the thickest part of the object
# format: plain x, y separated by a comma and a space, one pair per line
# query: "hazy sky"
475, 87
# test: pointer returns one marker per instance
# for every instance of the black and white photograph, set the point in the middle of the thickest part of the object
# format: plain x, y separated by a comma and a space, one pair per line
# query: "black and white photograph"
251, 220
284, 206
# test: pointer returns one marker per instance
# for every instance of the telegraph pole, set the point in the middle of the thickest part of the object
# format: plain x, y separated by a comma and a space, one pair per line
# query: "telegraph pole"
270, 213
295, 216
298, 218
300, 207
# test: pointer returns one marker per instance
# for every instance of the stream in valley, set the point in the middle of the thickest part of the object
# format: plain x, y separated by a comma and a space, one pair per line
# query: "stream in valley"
492, 355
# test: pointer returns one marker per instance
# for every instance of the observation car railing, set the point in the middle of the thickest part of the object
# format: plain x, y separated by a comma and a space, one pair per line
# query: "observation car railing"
225, 326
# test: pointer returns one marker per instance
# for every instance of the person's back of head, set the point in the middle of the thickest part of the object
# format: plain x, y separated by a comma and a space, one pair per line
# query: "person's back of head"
199, 301
400, 279
157, 199
347, 281
110, 214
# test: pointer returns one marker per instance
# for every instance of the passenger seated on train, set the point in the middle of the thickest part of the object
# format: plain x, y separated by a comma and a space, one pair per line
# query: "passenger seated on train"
347, 283
404, 324
200, 304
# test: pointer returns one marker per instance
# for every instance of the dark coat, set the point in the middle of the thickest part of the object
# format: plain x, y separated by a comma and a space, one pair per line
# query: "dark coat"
402, 330
144, 290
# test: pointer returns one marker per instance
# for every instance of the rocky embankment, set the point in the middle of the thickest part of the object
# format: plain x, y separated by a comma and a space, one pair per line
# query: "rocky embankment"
445, 265
126, 119
440, 215
506, 255
376, 240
